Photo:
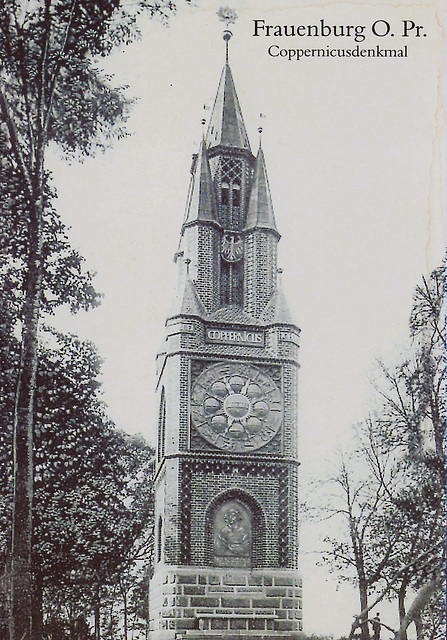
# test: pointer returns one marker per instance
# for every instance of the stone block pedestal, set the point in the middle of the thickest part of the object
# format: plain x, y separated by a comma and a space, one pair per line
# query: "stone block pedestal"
219, 603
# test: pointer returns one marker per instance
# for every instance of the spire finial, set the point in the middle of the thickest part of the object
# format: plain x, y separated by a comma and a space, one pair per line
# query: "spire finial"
228, 16
261, 116
226, 36
204, 119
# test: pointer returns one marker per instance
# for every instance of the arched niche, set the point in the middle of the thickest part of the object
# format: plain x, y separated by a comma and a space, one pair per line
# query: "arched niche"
235, 531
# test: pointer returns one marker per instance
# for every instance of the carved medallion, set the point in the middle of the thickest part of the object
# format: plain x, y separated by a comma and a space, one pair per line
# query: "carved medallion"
232, 535
236, 407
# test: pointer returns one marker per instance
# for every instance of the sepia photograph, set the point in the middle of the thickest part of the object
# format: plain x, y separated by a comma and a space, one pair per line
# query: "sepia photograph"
222, 320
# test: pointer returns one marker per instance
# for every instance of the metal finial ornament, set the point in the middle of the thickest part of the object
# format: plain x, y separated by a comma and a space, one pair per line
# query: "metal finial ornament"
261, 116
203, 120
226, 36
228, 16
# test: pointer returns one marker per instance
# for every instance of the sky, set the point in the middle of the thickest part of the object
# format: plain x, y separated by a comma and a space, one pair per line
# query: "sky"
354, 154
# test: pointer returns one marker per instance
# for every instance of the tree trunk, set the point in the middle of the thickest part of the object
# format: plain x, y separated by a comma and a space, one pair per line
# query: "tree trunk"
363, 607
421, 600
97, 614
20, 623
125, 615
419, 627
401, 606
36, 608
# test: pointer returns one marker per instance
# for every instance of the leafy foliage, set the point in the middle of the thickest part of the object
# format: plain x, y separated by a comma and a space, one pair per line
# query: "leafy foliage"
93, 492
64, 277
51, 91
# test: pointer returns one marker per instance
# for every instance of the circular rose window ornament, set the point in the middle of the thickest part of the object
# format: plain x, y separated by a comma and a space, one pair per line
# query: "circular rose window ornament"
236, 407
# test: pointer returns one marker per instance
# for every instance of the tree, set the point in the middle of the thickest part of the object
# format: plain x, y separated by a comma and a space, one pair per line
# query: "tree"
360, 493
412, 424
93, 491
50, 91
391, 488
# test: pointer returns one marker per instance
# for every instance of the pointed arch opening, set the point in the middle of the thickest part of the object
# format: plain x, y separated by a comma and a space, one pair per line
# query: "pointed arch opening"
225, 193
236, 193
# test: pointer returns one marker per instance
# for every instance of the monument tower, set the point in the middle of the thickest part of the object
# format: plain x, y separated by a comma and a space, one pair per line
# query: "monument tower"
226, 503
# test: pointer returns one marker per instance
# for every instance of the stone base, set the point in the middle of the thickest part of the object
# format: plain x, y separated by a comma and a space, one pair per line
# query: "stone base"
233, 604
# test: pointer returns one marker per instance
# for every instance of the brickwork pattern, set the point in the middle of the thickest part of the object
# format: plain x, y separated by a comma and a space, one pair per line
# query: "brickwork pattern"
173, 379
290, 390
260, 270
208, 258
166, 507
221, 600
177, 383
293, 517
269, 490
161, 427
260, 491
187, 333
282, 342
228, 168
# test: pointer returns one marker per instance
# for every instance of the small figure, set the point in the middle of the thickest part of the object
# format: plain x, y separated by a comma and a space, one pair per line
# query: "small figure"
376, 627
233, 538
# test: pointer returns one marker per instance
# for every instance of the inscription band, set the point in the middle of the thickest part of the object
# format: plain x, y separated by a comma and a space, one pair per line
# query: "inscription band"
235, 336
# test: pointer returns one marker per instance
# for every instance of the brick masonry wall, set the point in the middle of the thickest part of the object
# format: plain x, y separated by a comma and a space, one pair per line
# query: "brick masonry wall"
260, 270
166, 509
207, 487
257, 603
268, 489
262, 485
208, 272
191, 481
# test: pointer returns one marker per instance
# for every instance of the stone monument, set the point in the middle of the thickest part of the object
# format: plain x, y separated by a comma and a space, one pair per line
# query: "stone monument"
226, 492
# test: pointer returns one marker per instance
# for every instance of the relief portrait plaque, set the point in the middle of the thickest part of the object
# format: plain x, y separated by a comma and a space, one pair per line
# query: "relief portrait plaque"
236, 407
232, 535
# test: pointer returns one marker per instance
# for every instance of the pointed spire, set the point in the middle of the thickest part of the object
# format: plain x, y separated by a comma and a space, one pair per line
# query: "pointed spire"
277, 310
187, 301
260, 213
201, 204
226, 125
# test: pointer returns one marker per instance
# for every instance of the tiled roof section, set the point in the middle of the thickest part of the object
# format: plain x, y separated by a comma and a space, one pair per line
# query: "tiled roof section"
226, 125
260, 213
234, 315
187, 302
277, 310
201, 203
